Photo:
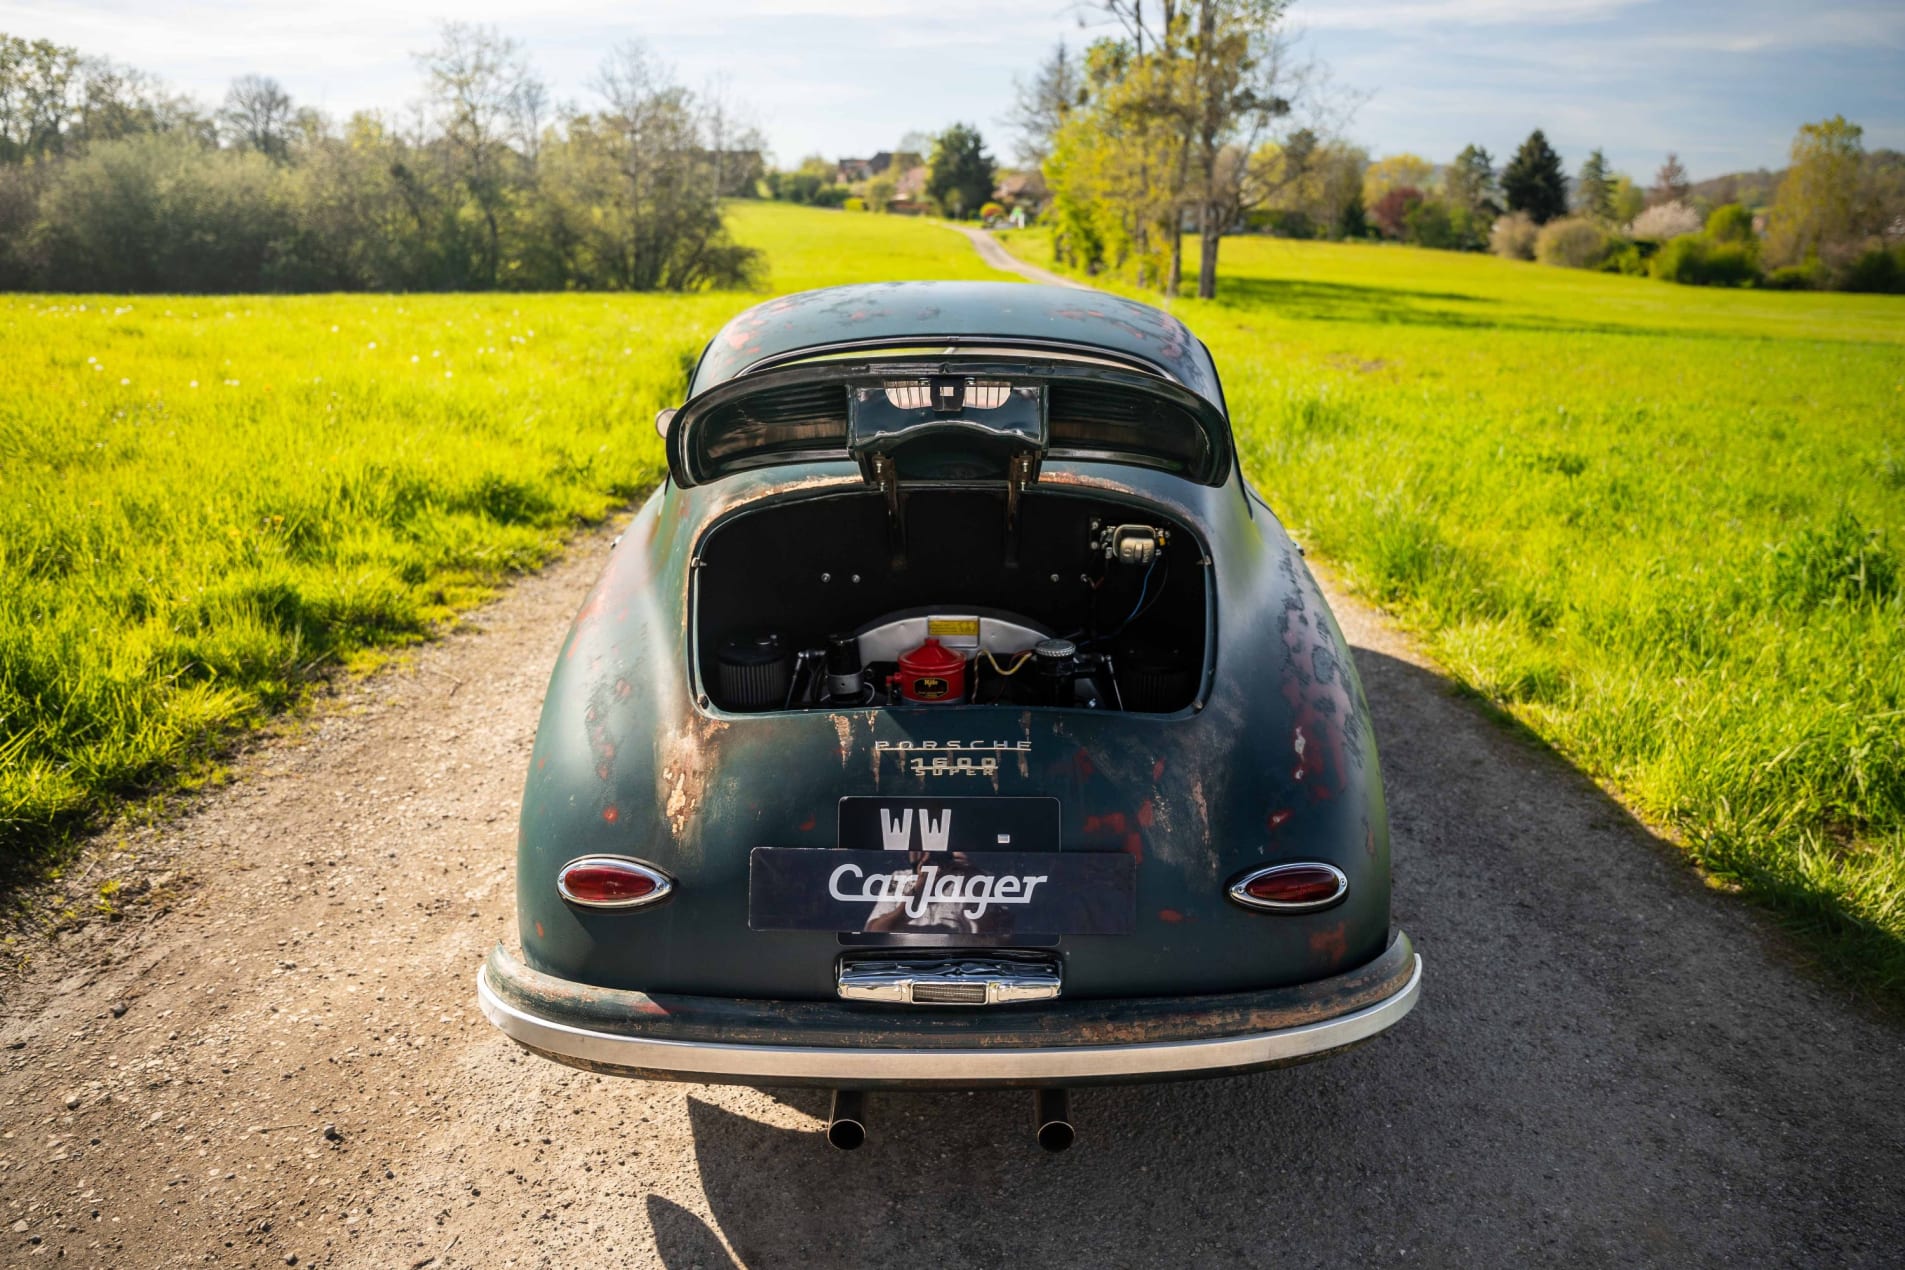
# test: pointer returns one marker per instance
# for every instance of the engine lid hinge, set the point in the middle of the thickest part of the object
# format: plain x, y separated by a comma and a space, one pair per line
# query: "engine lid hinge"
1021, 470
881, 472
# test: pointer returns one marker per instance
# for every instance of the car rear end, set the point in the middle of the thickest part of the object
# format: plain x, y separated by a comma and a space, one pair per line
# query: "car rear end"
952, 724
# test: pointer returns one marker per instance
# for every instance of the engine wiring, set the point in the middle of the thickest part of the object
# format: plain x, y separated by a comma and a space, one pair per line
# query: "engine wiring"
1018, 663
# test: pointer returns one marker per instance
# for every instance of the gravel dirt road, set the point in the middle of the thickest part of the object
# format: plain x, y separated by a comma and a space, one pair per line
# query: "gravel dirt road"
279, 1061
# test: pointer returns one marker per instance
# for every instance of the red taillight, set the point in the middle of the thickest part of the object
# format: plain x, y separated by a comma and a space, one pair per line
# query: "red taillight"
606, 881
1291, 888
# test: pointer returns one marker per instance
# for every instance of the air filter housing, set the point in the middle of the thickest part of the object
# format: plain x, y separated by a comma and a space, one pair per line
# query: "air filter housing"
753, 672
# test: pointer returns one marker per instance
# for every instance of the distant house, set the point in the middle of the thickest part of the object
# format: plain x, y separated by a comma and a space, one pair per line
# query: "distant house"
853, 171
1023, 189
909, 192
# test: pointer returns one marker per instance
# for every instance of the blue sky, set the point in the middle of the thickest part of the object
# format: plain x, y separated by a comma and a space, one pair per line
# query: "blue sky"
1724, 84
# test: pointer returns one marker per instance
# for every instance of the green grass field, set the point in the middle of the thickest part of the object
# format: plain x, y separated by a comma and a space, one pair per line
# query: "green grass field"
205, 501
1660, 526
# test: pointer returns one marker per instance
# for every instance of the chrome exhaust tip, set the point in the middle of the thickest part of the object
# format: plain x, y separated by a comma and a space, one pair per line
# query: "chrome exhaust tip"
1052, 1119
846, 1120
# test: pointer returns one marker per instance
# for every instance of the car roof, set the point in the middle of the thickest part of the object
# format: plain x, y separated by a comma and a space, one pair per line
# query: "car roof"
953, 315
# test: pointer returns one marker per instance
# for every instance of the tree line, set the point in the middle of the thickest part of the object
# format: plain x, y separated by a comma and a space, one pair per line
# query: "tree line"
108, 182
1198, 115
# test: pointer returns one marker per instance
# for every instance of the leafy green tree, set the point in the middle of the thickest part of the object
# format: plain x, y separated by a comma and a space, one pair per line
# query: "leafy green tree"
1395, 172
1730, 223
1430, 223
479, 83
1817, 206
1594, 188
1625, 199
1470, 182
1533, 180
1216, 78
960, 174
1351, 222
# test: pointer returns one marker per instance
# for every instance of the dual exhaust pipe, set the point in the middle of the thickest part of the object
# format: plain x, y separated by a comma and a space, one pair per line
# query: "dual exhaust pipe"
1051, 1120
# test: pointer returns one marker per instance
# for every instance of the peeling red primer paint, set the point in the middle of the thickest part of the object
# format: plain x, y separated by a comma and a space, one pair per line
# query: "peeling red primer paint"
1134, 846
1332, 943
539, 933
807, 825
1280, 817
1082, 761
611, 815
1157, 770
1147, 814
1170, 915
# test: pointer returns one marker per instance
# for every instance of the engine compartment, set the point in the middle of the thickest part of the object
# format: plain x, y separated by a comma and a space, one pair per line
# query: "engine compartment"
1039, 599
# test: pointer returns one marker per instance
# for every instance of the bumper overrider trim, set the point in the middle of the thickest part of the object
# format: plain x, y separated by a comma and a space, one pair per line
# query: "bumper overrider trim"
865, 1045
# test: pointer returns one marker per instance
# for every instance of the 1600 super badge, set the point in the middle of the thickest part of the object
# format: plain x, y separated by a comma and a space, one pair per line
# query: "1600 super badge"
951, 758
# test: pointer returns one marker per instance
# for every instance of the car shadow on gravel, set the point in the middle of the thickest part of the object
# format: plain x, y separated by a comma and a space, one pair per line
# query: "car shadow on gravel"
1609, 1062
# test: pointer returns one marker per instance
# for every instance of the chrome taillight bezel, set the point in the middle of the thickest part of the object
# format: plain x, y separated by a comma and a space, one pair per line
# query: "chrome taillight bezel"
664, 884
1237, 892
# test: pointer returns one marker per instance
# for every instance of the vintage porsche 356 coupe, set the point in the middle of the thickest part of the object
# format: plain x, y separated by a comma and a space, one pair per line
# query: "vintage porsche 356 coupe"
955, 715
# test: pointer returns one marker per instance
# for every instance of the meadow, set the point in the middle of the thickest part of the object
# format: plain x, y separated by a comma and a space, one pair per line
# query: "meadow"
205, 503
1660, 527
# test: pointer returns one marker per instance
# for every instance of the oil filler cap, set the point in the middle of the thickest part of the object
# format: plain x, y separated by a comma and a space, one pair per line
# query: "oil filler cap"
1054, 656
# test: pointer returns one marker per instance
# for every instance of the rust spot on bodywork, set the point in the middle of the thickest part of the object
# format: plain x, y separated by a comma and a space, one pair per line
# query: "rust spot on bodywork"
1170, 915
1332, 943
1134, 846
1279, 817
611, 814
1147, 814
1326, 735
1157, 770
807, 825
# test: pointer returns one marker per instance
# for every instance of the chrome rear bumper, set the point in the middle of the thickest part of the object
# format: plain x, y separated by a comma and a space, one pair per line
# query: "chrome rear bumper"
873, 1046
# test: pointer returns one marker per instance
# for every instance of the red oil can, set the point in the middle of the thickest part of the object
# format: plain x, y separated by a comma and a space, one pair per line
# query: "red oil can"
932, 673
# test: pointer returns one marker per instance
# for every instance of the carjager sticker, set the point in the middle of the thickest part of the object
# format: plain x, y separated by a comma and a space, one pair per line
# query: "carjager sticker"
929, 688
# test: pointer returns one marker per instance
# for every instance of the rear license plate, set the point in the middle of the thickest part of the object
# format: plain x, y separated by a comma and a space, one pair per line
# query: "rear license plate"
989, 893
949, 824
